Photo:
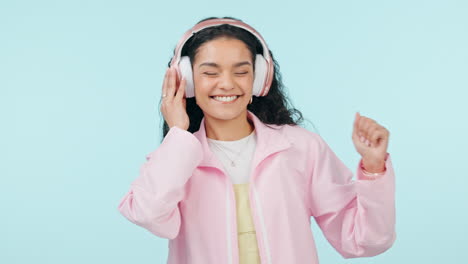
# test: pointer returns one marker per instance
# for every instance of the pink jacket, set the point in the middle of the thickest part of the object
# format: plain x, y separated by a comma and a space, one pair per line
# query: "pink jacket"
184, 194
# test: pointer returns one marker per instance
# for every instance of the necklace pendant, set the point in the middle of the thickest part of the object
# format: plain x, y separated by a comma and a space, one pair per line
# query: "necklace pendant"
233, 164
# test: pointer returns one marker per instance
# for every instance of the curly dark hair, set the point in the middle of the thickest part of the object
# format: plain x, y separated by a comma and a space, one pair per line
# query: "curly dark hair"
274, 108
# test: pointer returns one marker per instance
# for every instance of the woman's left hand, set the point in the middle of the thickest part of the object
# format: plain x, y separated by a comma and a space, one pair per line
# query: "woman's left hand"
371, 141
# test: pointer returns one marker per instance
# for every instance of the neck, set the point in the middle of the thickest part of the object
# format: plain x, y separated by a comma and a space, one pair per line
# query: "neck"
228, 130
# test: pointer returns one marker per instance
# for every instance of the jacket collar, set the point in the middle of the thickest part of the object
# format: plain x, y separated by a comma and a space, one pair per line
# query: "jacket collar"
269, 141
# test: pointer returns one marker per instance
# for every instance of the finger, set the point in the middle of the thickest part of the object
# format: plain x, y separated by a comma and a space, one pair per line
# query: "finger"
355, 125
362, 126
366, 124
181, 90
365, 132
164, 86
171, 84
379, 137
373, 134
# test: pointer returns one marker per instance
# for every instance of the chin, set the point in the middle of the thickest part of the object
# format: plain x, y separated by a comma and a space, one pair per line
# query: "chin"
225, 114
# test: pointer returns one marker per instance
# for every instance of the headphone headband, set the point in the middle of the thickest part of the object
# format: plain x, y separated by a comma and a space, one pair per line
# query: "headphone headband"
220, 21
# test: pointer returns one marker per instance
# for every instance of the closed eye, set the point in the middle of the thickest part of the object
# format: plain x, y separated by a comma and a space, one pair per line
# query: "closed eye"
214, 73
209, 73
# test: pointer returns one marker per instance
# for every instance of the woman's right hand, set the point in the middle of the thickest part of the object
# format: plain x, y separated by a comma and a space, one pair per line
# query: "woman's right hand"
173, 101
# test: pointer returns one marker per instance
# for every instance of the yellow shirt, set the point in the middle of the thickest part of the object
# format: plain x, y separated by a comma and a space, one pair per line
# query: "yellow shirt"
248, 249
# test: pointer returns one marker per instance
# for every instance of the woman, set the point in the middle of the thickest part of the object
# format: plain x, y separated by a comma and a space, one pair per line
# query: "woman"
236, 179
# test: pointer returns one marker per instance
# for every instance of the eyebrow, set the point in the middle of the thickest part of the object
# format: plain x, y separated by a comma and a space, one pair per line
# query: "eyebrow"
212, 64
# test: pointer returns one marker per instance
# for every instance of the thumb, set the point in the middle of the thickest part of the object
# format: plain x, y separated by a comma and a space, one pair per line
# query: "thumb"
357, 117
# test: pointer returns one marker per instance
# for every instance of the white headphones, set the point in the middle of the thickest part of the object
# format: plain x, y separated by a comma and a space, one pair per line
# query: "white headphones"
263, 63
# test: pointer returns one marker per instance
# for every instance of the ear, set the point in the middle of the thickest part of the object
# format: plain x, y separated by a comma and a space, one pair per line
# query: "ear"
185, 68
260, 74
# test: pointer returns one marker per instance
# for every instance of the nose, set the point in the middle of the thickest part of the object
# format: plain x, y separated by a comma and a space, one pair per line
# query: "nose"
226, 82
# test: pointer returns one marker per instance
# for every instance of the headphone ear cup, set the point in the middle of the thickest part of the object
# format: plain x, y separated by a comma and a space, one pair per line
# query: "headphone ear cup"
185, 68
260, 75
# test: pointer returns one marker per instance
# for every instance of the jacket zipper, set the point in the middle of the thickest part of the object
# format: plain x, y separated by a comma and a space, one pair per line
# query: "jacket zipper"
231, 197
255, 206
260, 219
228, 220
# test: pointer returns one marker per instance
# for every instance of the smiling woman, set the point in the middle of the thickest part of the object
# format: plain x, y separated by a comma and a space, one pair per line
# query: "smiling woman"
223, 77
236, 180
225, 57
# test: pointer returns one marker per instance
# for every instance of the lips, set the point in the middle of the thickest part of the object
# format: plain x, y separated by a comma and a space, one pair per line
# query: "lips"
225, 99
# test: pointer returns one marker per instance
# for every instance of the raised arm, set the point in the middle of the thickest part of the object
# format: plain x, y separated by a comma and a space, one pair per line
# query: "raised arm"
357, 216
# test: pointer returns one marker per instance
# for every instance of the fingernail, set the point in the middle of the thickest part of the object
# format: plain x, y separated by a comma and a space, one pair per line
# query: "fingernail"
361, 138
367, 142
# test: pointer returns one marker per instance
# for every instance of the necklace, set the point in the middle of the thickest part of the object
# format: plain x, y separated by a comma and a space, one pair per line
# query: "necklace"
233, 163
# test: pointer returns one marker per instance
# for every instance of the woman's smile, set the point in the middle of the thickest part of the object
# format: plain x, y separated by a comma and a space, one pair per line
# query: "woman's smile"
225, 99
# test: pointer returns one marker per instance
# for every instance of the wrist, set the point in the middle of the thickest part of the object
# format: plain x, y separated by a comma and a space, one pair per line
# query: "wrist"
372, 165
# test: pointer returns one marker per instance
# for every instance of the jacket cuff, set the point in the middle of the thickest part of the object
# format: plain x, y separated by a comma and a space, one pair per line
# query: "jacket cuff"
179, 140
362, 174
169, 167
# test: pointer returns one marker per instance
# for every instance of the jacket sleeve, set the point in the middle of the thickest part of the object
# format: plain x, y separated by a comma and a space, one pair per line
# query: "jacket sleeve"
152, 201
357, 217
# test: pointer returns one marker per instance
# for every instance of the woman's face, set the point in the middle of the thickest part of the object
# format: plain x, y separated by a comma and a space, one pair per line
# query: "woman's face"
223, 78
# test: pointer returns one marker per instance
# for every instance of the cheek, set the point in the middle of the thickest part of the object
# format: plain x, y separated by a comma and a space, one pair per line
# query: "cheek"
246, 83
202, 85
248, 80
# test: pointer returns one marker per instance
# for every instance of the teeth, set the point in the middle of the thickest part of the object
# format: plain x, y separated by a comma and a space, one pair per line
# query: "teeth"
225, 98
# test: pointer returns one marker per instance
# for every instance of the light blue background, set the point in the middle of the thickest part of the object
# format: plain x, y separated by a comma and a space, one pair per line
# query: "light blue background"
80, 84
